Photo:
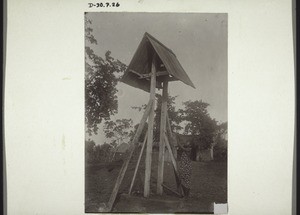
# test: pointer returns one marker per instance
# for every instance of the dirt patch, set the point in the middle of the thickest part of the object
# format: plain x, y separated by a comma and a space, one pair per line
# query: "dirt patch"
159, 204
209, 184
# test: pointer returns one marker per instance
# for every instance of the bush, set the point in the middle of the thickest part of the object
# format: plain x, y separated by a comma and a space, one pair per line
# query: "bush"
220, 154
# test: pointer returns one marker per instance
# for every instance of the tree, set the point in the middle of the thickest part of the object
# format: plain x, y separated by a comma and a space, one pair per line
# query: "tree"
220, 149
143, 134
198, 122
97, 153
89, 150
221, 131
222, 128
103, 152
101, 78
118, 132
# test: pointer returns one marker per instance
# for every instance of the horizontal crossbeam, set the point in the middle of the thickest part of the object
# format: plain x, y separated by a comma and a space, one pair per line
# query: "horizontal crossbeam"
146, 76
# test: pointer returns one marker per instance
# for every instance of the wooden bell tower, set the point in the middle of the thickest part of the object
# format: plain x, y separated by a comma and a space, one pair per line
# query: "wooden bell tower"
152, 66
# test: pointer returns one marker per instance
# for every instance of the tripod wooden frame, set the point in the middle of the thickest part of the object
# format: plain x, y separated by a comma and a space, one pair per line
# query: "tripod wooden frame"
148, 144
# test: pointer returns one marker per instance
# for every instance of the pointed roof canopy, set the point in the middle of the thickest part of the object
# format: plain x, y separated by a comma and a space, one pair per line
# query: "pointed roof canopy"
167, 65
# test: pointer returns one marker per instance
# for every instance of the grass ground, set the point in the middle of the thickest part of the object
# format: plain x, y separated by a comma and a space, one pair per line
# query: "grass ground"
209, 184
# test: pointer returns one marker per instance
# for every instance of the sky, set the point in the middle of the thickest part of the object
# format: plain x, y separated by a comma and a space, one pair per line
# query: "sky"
199, 40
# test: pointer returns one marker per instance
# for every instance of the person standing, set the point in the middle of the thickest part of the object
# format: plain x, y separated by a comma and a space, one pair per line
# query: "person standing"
185, 167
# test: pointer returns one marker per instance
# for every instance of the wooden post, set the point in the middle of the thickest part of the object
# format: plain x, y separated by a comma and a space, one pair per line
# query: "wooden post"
150, 130
137, 164
169, 125
171, 154
161, 155
174, 162
128, 156
172, 136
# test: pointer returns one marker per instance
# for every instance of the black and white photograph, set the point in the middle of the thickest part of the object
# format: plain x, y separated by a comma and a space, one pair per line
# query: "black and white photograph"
150, 107
156, 112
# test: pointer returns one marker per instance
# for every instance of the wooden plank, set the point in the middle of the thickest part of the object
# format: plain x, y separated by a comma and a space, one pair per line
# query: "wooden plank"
161, 155
174, 163
148, 75
160, 73
128, 156
169, 129
150, 130
137, 164
134, 72
171, 154
173, 191
172, 136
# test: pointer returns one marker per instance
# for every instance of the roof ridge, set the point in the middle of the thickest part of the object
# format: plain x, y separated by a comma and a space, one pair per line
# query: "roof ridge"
160, 43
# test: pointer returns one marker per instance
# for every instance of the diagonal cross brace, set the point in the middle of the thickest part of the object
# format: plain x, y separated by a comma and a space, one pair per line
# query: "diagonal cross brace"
128, 157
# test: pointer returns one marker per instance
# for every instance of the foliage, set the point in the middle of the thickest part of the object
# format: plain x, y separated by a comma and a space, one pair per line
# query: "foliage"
101, 78
220, 143
143, 134
221, 132
198, 122
104, 152
196, 117
223, 128
119, 131
97, 153
220, 153
89, 150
